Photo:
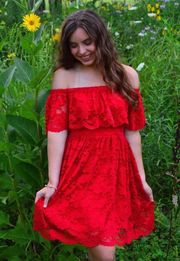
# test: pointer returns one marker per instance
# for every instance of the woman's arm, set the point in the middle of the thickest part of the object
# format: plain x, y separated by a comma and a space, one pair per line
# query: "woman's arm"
55, 149
134, 140
55, 145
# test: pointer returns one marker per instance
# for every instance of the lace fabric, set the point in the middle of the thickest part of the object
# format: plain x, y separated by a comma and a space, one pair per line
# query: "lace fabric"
56, 111
91, 108
100, 198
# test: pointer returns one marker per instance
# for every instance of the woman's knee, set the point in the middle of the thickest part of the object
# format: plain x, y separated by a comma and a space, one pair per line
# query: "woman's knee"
102, 253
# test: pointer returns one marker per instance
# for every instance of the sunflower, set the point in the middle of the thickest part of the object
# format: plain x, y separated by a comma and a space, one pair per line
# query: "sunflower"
56, 37
31, 22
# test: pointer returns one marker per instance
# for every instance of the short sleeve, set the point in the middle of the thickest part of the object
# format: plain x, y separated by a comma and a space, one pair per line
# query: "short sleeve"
56, 111
136, 115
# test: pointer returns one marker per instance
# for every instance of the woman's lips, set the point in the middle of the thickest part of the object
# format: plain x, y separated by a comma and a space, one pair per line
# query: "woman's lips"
85, 58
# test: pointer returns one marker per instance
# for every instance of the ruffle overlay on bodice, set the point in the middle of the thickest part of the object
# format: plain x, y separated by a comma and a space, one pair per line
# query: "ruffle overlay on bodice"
92, 108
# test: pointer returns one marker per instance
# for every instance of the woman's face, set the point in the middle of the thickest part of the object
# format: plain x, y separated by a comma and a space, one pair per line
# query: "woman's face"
82, 47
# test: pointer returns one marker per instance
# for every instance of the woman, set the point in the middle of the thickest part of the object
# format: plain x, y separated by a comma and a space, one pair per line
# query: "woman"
97, 194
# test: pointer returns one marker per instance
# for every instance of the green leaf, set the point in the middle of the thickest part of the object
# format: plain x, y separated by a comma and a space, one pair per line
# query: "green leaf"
28, 173
72, 258
6, 147
10, 252
61, 257
19, 234
5, 182
38, 34
41, 100
39, 78
23, 7
27, 42
4, 218
6, 76
26, 128
36, 6
24, 70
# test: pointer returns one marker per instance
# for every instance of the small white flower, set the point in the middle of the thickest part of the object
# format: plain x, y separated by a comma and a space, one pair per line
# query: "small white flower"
151, 14
130, 46
153, 32
140, 66
132, 8
142, 34
116, 34
147, 27
175, 200
152, 38
46, 11
137, 22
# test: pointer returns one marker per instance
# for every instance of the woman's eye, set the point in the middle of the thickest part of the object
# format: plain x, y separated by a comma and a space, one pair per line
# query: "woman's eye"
72, 46
88, 42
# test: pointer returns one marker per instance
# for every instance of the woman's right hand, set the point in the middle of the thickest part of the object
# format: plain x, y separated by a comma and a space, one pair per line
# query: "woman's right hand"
45, 193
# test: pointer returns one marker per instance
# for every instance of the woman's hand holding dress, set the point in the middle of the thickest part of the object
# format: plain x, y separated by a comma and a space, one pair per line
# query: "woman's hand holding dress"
46, 193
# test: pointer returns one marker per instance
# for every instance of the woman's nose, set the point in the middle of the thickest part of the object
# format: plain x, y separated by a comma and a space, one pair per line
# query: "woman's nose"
82, 50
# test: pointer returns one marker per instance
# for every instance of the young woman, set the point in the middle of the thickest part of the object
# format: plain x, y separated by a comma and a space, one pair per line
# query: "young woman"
97, 194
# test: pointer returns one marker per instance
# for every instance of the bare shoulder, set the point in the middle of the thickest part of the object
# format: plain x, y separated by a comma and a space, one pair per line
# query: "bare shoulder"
60, 79
132, 75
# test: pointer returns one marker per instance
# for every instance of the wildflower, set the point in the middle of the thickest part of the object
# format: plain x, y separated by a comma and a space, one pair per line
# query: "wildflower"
175, 200
162, 6
130, 46
31, 22
116, 34
158, 17
149, 6
11, 55
142, 34
157, 6
131, 8
151, 14
140, 66
137, 22
164, 31
152, 9
56, 37
158, 12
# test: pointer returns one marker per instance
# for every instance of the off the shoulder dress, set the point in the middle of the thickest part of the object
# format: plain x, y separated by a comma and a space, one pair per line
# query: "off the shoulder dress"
100, 197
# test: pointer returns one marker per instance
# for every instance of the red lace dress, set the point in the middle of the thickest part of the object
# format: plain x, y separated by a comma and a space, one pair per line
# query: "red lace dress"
100, 197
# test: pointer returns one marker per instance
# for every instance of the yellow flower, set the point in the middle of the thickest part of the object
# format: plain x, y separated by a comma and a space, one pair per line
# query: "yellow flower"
158, 17
103, 8
119, 7
149, 8
56, 37
152, 9
157, 6
31, 22
11, 55
57, 30
158, 12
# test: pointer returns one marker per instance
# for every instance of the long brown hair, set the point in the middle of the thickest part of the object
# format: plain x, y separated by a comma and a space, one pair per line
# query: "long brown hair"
106, 55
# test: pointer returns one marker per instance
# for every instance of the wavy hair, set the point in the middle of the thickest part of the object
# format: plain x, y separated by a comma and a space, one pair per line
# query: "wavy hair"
106, 55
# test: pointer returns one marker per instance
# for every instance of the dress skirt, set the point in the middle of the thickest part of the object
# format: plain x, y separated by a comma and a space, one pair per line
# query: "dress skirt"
100, 199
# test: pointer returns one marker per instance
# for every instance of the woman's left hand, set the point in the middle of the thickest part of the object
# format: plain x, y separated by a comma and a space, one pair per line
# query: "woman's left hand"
148, 190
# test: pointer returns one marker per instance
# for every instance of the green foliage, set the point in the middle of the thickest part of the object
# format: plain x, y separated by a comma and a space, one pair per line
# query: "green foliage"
24, 83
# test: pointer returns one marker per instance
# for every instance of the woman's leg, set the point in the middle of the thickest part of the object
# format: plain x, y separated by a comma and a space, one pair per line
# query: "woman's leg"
101, 253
